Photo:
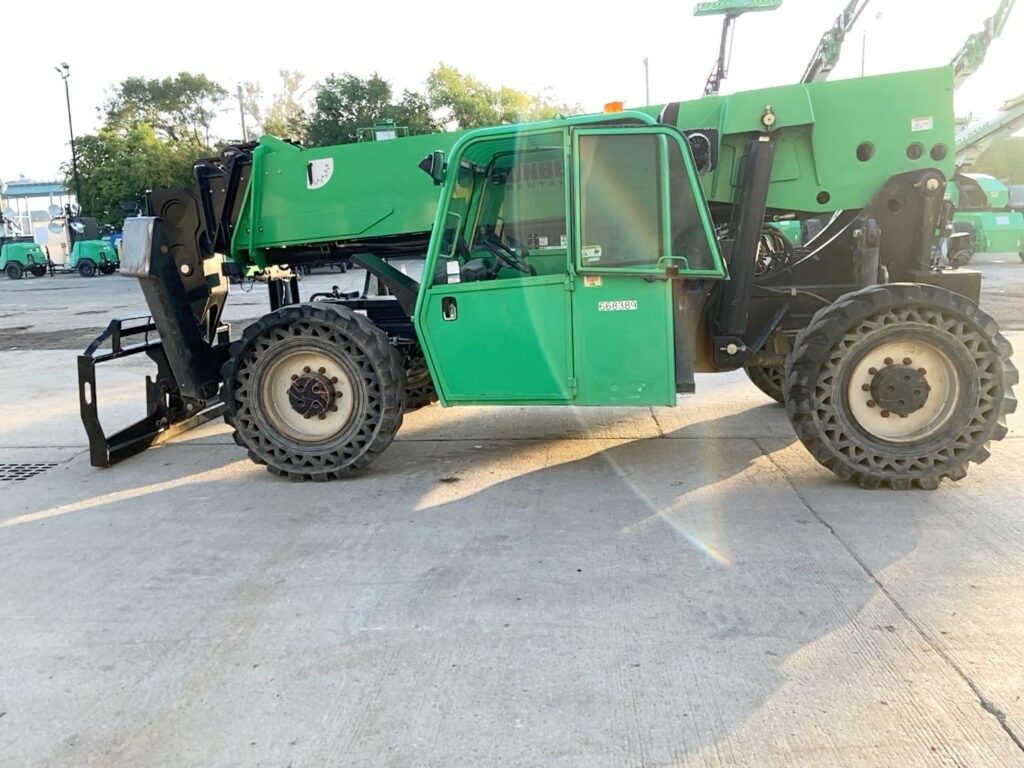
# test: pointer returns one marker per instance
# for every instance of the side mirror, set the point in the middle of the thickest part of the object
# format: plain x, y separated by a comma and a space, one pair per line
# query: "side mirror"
434, 165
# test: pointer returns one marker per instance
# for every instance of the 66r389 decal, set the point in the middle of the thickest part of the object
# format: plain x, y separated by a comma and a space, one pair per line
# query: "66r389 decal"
628, 305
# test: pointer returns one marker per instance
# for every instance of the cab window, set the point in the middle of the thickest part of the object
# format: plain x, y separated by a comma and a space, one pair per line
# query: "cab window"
638, 209
507, 214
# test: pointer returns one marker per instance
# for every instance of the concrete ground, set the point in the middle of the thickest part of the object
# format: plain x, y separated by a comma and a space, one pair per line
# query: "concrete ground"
520, 587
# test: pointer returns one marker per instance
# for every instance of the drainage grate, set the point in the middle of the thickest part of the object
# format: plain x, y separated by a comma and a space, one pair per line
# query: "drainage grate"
16, 472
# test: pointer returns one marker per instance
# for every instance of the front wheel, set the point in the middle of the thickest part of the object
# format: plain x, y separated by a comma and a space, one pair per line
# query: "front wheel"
313, 391
86, 268
14, 271
900, 385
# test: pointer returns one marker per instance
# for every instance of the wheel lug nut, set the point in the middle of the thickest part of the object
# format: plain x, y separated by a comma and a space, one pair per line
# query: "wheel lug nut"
305, 369
865, 387
322, 370
871, 403
872, 371
334, 379
922, 371
334, 407
295, 376
888, 361
907, 361
885, 414
323, 416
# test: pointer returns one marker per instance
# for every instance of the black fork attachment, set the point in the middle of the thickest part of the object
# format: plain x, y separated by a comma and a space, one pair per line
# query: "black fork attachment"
176, 254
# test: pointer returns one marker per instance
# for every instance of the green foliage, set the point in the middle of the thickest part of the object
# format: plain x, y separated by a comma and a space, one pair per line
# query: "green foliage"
1004, 160
120, 166
464, 102
346, 104
179, 108
155, 129
285, 116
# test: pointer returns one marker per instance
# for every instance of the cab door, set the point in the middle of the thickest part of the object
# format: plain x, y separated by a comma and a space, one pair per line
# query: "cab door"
505, 338
640, 222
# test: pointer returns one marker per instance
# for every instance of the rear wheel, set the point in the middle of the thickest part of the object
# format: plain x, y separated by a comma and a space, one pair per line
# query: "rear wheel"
968, 245
14, 270
107, 268
900, 385
86, 268
768, 378
419, 387
313, 391
38, 270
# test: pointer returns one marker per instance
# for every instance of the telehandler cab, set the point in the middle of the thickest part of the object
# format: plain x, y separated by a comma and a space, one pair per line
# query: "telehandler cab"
598, 260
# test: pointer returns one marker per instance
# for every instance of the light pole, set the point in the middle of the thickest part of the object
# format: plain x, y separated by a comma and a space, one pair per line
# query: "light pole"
64, 70
647, 82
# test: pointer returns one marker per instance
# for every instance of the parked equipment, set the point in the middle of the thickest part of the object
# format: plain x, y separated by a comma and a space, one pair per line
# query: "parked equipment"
92, 257
599, 260
21, 256
980, 215
984, 217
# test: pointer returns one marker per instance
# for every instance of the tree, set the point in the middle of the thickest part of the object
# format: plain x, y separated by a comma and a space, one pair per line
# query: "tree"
178, 108
1004, 160
461, 101
285, 117
120, 166
345, 105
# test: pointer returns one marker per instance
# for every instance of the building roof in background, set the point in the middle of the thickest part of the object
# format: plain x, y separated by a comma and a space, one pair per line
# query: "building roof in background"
22, 189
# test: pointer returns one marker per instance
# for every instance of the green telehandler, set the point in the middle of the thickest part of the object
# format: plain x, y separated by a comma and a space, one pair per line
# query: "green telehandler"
588, 261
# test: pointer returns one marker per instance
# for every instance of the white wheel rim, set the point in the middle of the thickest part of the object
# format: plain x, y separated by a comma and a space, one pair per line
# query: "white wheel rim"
940, 373
290, 422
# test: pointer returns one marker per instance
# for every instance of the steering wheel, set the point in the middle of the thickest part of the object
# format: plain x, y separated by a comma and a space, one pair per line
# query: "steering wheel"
507, 255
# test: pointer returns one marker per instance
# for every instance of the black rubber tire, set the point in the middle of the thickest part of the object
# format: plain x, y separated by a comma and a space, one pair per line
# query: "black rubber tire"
356, 344
107, 268
14, 271
38, 271
837, 339
768, 379
86, 268
419, 387
960, 259
963, 257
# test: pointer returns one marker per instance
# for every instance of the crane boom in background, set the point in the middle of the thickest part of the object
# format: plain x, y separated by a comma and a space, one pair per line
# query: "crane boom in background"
971, 143
826, 55
971, 55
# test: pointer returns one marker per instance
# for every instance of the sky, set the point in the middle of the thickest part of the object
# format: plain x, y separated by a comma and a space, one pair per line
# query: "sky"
579, 52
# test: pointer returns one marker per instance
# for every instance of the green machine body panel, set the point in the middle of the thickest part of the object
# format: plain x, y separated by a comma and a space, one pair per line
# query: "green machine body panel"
792, 230
325, 194
835, 147
96, 251
25, 254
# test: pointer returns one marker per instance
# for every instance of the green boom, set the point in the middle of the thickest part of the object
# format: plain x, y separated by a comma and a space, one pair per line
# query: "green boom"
837, 144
